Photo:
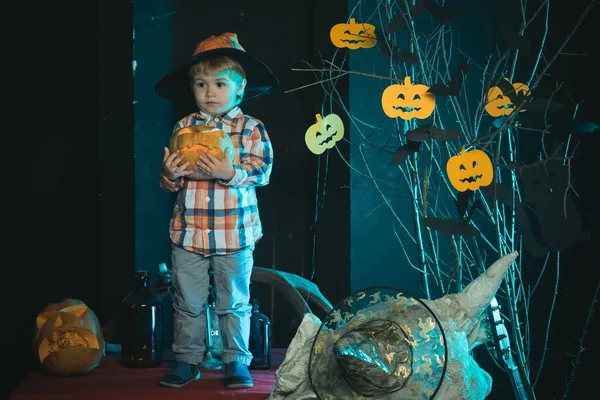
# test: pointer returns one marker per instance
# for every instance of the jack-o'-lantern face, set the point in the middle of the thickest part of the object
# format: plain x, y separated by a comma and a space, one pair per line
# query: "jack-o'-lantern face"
324, 134
499, 103
194, 140
470, 170
68, 338
353, 35
408, 101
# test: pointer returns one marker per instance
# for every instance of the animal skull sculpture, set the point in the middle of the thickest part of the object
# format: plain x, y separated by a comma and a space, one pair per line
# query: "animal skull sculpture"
461, 316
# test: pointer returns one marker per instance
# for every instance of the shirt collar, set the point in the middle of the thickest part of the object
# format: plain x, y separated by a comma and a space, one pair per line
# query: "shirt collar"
226, 118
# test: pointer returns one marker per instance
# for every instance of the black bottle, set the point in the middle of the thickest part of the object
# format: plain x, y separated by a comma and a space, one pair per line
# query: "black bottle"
141, 325
260, 338
164, 276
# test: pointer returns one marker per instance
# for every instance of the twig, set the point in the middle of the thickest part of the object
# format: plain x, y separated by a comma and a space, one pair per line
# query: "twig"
546, 340
569, 186
577, 361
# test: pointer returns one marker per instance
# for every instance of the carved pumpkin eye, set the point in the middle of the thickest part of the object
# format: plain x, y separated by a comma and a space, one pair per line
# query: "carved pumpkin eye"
475, 164
401, 96
327, 127
462, 167
417, 97
319, 133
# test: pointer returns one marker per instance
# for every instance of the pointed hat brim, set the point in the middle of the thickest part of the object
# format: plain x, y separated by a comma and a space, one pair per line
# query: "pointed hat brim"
261, 80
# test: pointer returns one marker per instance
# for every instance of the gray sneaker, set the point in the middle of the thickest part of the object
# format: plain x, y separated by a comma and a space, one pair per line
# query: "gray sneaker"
237, 376
180, 375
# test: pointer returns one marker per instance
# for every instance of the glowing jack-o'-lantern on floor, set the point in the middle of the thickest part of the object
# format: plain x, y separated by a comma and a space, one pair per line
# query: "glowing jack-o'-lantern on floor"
407, 101
499, 103
68, 339
470, 170
324, 134
353, 35
195, 140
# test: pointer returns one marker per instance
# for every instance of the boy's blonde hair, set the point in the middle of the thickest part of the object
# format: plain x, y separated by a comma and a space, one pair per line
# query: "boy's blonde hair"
220, 66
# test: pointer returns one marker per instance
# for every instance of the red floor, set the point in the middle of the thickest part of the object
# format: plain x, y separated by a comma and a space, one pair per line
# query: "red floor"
113, 381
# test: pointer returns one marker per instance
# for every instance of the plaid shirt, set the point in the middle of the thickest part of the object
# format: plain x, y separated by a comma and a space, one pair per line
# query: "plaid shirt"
221, 217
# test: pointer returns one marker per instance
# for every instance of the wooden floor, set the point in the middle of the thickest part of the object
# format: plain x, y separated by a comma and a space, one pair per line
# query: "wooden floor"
113, 381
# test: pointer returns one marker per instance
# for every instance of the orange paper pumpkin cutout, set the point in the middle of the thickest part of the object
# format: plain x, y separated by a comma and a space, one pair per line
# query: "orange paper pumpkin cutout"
324, 134
499, 103
408, 101
353, 35
194, 140
470, 170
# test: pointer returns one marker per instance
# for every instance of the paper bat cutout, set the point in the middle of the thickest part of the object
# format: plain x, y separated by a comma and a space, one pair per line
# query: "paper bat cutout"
431, 132
531, 103
463, 226
398, 55
515, 41
462, 202
546, 229
441, 13
450, 227
406, 57
386, 50
399, 22
562, 124
455, 85
404, 151
540, 104
581, 126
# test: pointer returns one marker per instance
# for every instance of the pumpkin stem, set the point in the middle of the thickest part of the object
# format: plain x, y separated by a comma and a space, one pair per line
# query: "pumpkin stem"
352, 21
318, 117
407, 81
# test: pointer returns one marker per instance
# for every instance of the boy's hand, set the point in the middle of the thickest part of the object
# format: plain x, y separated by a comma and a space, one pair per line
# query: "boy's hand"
171, 168
212, 166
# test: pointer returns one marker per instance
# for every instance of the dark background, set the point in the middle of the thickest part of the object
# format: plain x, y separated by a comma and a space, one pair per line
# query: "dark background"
71, 179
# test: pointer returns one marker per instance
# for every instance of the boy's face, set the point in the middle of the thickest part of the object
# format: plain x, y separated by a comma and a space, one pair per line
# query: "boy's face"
215, 94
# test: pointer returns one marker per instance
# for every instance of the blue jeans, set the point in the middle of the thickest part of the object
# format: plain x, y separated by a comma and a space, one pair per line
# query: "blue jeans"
232, 287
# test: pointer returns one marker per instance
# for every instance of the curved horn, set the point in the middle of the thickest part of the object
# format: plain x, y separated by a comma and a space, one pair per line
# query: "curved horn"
478, 294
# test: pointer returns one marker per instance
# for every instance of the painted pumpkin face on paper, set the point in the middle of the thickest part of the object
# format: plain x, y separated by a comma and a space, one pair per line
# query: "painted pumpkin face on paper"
470, 170
353, 36
324, 134
499, 103
407, 101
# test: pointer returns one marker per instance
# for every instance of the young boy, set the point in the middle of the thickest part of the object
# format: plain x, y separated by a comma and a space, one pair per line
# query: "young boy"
215, 222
